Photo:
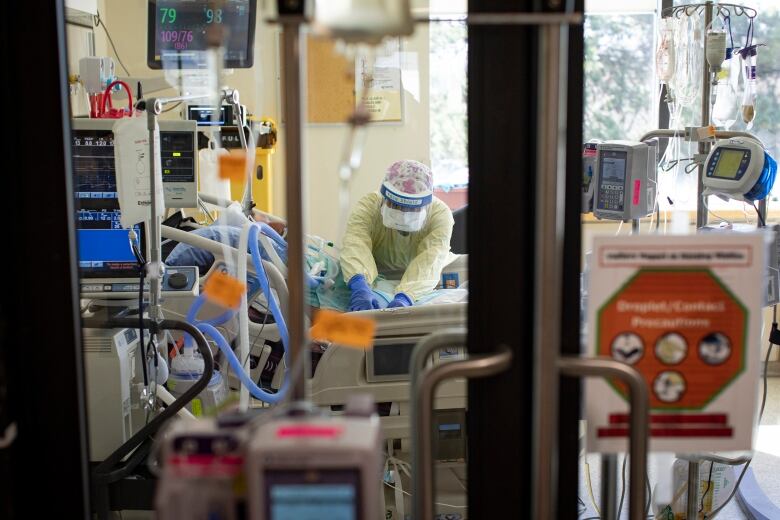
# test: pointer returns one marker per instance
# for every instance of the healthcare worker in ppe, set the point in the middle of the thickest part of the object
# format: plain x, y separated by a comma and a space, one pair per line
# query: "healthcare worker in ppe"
403, 228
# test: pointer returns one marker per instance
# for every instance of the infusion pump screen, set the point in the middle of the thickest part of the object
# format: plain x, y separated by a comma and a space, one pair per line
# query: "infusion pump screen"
178, 31
612, 180
729, 163
311, 495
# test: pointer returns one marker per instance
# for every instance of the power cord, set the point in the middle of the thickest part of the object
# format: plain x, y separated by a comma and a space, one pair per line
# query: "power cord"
622, 486
707, 489
99, 22
139, 257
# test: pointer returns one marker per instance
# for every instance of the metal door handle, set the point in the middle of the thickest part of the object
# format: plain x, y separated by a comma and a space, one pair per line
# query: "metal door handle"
9, 436
638, 416
424, 386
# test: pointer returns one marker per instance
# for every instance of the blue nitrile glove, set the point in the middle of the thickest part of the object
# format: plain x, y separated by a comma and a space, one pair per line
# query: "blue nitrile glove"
400, 300
363, 298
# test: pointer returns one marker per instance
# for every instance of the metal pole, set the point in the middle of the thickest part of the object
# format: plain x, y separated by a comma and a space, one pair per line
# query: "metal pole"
232, 97
639, 403
609, 485
704, 146
693, 490
763, 210
550, 184
719, 134
294, 56
422, 406
153, 109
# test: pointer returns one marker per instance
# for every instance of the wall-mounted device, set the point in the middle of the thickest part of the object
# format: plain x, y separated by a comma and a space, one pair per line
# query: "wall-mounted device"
625, 181
179, 32
739, 168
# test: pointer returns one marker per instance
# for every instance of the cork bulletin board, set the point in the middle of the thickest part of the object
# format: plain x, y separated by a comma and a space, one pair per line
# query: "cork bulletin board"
330, 82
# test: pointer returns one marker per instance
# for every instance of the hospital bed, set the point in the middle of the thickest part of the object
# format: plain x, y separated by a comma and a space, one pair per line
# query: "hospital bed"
341, 371
382, 371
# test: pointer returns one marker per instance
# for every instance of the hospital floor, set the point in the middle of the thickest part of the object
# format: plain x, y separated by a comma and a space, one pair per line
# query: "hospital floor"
765, 464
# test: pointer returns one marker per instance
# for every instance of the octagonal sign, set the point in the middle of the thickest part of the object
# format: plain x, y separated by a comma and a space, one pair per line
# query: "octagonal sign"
688, 344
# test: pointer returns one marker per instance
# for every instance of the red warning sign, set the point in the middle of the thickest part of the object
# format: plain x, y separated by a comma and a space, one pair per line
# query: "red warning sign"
682, 330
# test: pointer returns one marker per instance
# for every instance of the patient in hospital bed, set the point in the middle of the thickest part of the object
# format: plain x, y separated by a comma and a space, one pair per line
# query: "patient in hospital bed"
327, 288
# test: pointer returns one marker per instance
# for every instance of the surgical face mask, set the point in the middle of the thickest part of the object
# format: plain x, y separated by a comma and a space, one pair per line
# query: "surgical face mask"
409, 221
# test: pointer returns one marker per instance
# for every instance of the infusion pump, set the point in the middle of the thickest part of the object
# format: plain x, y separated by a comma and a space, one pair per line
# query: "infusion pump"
625, 179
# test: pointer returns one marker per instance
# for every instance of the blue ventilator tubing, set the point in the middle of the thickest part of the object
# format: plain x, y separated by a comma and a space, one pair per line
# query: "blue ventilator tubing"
313, 281
235, 364
208, 327
254, 248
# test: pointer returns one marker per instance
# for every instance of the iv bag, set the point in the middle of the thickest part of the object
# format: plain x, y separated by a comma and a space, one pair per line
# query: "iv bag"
724, 112
664, 56
748, 109
210, 182
689, 55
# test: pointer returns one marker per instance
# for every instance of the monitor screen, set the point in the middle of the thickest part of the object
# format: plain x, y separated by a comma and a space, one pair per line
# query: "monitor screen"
177, 32
613, 167
103, 246
177, 156
204, 115
729, 163
312, 495
392, 359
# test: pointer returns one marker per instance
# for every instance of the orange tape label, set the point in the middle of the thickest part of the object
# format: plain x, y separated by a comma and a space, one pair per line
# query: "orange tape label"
232, 166
223, 289
343, 329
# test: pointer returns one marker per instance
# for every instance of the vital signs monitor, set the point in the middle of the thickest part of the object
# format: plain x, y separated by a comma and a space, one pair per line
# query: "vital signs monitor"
179, 32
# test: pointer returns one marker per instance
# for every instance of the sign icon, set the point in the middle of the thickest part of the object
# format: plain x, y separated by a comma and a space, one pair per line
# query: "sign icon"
627, 347
715, 348
671, 348
669, 386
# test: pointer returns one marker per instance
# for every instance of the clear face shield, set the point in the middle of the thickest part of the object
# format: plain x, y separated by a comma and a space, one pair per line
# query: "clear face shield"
403, 218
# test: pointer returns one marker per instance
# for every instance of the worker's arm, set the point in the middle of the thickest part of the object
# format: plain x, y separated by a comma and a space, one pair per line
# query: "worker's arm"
424, 271
357, 256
